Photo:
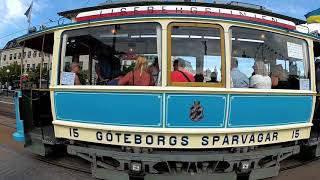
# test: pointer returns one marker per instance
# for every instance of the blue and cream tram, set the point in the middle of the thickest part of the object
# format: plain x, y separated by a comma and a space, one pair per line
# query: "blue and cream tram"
233, 90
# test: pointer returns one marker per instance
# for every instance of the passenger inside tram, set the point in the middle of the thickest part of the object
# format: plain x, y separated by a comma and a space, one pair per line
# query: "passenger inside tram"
271, 60
139, 76
154, 70
278, 78
198, 77
75, 68
260, 79
179, 73
213, 77
107, 66
239, 79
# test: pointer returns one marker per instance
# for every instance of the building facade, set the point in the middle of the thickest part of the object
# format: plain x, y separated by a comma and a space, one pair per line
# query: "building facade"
12, 53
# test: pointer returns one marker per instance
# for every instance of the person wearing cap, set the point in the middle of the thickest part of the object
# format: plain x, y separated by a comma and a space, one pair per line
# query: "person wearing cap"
260, 79
75, 68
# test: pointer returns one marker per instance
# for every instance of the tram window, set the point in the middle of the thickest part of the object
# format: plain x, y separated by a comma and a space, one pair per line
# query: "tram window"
195, 58
266, 60
107, 55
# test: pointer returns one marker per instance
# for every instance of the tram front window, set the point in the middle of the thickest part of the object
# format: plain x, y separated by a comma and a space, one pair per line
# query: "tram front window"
266, 60
195, 55
109, 55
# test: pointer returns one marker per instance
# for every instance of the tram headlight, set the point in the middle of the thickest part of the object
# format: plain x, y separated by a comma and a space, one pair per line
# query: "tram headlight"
244, 166
136, 167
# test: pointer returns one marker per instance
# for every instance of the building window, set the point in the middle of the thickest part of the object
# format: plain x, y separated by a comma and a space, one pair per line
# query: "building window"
19, 56
33, 66
34, 53
4, 57
29, 54
196, 55
45, 65
15, 56
10, 57
40, 54
266, 60
24, 55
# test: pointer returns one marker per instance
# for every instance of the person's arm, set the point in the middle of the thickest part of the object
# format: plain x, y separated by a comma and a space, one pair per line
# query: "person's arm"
97, 68
253, 82
126, 79
77, 80
274, 81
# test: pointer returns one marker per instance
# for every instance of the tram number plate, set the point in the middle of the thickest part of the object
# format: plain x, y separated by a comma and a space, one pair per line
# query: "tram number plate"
74, 132
295, 134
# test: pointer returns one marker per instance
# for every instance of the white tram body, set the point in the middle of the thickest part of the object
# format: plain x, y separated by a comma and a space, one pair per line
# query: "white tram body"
220, 128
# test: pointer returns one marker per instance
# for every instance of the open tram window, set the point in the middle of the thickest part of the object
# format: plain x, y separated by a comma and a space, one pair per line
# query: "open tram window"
266, 60
111, 54
195, 55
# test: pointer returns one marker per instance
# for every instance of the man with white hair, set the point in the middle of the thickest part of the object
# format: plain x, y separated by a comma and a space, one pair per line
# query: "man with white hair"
260, 80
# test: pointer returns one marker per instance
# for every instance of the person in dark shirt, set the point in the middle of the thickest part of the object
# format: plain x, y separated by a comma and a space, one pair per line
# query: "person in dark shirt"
108, 66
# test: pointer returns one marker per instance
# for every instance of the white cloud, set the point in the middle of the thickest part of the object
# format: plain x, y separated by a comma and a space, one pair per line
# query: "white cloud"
12, 12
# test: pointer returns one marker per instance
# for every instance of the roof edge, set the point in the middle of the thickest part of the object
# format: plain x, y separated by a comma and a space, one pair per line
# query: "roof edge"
67, 14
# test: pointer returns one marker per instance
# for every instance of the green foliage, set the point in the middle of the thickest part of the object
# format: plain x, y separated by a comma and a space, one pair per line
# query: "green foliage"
14, 74
34, 74
84, 77
129, 68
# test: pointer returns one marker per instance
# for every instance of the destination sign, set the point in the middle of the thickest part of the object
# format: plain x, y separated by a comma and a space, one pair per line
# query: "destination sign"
164, 140
194, 11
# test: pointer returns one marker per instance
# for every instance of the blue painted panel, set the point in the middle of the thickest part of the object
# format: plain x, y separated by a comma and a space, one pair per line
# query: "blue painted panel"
178, 110
257, 110
19, 134
132, 109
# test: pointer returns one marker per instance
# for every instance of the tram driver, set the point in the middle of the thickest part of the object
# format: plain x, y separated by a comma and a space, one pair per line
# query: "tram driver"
108, 66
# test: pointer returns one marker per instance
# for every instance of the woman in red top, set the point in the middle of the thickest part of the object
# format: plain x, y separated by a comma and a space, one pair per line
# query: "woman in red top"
139, 76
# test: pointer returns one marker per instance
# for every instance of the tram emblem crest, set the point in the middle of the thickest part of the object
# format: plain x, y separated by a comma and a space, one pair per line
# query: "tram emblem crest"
196, 112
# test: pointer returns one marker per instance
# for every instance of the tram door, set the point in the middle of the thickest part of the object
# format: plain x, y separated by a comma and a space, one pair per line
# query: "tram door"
34, 103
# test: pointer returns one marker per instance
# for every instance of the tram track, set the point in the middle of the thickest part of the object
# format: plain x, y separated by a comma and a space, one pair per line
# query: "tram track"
63, 165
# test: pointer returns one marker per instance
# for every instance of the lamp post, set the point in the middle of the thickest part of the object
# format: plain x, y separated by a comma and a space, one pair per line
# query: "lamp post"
8, 71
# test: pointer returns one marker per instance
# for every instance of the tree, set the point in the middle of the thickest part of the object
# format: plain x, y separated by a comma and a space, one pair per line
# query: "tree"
14, 74
34, 74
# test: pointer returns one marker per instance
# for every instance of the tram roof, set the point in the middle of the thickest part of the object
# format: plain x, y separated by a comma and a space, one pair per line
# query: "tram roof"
233, 6
228, 5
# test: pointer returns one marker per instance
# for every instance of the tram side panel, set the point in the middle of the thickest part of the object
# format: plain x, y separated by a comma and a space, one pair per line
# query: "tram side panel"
204, 111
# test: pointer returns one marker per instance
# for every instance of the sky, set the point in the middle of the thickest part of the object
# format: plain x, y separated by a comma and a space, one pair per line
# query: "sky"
13, 22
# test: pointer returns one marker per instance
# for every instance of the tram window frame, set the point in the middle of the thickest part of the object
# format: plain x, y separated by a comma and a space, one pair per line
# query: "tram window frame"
63, 50
222, 83
306, 62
